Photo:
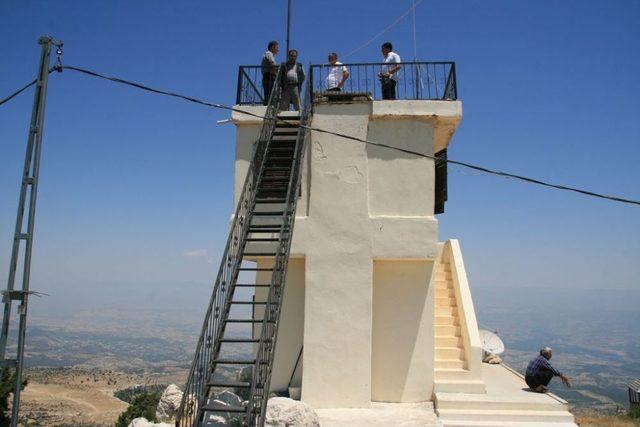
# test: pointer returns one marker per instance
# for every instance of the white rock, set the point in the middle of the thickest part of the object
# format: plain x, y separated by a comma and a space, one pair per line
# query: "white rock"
216, 421
143, 422
245, 373
169, 403
229, 398
285, 412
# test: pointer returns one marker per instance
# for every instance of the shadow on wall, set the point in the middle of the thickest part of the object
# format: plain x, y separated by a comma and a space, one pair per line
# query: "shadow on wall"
403, 335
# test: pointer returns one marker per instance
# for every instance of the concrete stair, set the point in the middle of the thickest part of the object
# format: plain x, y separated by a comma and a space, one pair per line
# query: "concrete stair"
505, 424
458, 386
505, 403
467, 410
451, 373
518, 415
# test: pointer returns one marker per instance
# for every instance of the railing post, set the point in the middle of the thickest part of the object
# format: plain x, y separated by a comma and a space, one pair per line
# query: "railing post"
455, 80
239, 89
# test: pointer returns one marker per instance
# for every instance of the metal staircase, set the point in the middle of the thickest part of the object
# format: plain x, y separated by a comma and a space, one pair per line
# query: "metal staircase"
262, 229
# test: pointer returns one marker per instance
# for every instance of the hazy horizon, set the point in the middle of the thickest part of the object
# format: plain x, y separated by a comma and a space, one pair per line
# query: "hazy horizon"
136, 189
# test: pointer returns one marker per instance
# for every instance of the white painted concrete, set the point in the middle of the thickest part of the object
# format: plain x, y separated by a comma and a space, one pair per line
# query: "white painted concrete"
290, 331
507, 402
380, 415
384, 312
364, 211
402, 359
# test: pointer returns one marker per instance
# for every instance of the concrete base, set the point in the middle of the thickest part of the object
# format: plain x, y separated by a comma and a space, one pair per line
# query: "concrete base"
380, 415
507, 402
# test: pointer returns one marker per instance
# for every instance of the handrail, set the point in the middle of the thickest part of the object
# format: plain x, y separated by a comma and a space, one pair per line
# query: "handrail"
426, 80
466, 313
433, 80
212, 329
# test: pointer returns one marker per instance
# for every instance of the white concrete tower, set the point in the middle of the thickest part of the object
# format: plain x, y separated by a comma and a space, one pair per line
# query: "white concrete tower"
360, 293
378, 308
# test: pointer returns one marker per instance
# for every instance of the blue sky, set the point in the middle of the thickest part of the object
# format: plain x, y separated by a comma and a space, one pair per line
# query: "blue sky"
137, 188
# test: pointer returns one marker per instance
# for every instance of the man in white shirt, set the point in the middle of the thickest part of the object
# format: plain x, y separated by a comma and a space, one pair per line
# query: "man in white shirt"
338, 74
269, 69
389, 71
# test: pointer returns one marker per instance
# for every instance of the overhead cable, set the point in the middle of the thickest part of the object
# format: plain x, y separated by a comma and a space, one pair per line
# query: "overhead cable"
393, 24
354, 138
22, 89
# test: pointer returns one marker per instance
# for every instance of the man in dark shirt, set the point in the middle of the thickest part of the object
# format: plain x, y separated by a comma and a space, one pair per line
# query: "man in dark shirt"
292, 77
539, 372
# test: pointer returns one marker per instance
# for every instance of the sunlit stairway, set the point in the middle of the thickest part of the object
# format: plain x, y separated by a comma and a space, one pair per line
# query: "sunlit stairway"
451, 368
262, 241
469, 393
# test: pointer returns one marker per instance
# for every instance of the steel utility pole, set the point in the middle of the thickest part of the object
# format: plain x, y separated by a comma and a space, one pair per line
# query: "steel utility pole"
28, 189
288, 28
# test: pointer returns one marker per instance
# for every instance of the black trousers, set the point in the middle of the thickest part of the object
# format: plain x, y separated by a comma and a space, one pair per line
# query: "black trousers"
388, 88
268, 80
542, 377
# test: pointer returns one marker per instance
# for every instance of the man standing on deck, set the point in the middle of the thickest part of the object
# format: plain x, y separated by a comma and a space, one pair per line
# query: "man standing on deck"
337, 75
539, 372
389, 72
269, 69
292, 77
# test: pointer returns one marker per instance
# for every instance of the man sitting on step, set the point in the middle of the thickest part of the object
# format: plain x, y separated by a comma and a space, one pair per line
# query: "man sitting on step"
539, 372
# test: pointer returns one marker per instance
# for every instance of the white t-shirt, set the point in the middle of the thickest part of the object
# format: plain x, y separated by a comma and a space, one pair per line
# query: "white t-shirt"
336, 72
292, 75
392, 58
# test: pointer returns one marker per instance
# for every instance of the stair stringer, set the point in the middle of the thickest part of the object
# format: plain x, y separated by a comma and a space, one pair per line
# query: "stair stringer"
471, 380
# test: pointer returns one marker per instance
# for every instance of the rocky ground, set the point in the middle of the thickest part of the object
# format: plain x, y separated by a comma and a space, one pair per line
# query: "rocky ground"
611, 421
82, 397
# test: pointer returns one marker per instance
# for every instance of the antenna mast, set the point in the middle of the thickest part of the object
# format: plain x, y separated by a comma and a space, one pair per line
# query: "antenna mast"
288, 26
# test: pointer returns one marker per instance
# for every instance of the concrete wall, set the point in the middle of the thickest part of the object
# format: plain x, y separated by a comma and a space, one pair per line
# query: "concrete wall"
366, 229
290, 330
403, 334
335, 240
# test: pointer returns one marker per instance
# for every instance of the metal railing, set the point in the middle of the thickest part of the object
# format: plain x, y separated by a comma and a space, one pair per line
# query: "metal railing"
250, 90
195, 394
266, 348
414, 80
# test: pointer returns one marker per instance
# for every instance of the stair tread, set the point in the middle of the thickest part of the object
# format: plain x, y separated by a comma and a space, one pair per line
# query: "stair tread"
239, 384
504, 411
469, 423
235, 361
249, 302
250, 285
274, 201
259, 254
240, 340
474, 397
268, 213
218, 407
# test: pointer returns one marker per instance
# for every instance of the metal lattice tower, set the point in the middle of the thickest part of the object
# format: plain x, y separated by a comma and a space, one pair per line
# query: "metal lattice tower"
23, 237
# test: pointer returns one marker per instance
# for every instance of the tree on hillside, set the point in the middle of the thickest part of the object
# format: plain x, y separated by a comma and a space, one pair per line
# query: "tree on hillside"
7, 379
634, 413
143, 405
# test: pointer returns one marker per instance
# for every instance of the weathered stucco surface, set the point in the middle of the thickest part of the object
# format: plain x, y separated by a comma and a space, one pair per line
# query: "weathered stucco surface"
367, 236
